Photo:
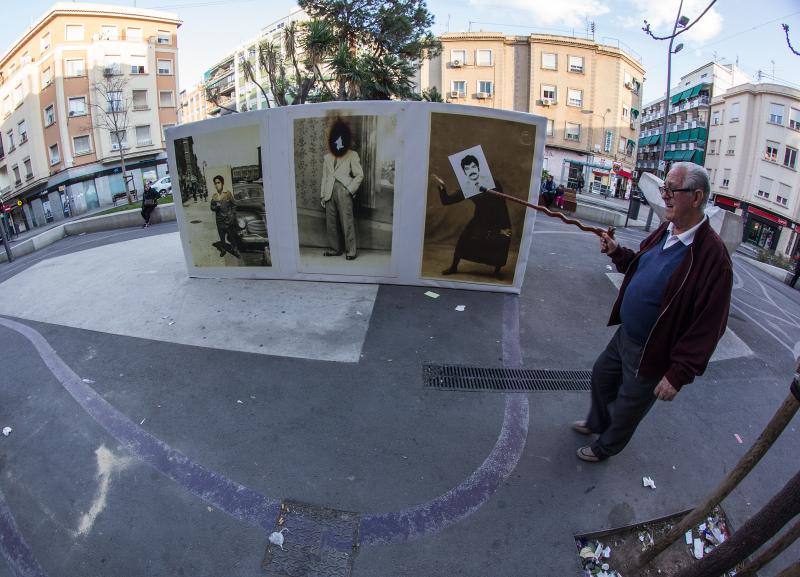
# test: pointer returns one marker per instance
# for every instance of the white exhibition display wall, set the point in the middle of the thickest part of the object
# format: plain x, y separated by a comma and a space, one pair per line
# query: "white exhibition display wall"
365, 192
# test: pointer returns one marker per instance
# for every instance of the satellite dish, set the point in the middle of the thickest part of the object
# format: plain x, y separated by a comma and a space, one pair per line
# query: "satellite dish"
649, 184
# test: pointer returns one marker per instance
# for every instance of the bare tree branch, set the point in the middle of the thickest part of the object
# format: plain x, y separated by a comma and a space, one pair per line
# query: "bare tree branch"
648, 30
110, 105
788, 40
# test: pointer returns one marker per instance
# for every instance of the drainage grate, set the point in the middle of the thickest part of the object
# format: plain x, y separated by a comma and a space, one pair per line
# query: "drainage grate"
462, 378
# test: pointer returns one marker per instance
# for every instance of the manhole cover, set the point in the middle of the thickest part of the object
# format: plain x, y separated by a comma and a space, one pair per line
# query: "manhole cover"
195, 221
318, 542
464, 378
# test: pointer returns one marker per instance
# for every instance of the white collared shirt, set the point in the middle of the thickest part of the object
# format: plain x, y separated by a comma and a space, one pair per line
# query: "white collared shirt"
686, 237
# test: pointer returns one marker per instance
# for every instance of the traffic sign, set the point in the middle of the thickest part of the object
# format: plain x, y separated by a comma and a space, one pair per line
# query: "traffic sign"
19, 203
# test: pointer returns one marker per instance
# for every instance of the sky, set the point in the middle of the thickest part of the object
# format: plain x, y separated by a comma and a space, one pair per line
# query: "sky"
733, 30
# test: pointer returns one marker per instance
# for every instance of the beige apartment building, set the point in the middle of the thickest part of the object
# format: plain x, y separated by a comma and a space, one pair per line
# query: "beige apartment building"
753, 145
54, 160
193, 105
591, 94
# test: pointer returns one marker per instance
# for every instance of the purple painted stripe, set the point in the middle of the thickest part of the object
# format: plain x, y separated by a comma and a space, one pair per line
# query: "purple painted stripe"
463, 500
18, 556
237, 500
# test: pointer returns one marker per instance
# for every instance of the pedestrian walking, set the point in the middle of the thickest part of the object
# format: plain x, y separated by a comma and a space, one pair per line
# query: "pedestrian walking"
672, 307
579, 183
149, 203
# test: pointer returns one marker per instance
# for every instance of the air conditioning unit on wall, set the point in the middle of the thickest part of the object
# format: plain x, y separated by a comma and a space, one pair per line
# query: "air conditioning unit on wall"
547, 101
456, 64
482, 95
454, 94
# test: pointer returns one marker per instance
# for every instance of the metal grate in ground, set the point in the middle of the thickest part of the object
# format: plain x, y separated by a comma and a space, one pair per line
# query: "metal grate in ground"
464, 378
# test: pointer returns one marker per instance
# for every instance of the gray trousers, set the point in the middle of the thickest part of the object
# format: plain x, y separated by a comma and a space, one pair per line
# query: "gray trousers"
620, 399
339, 210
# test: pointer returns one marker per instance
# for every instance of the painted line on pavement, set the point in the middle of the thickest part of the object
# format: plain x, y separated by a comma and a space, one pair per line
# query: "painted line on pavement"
16, 552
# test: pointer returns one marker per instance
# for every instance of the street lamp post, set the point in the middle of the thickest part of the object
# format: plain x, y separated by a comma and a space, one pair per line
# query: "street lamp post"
591, 132
680, 22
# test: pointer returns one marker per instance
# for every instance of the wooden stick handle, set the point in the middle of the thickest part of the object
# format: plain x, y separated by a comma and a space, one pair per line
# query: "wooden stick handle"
593, 229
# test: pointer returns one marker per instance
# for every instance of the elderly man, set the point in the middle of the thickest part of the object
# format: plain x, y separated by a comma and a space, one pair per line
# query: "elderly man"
672, 308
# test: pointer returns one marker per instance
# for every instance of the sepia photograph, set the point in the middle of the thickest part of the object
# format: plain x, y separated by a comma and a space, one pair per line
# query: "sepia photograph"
222, 196
472, 234
344, 179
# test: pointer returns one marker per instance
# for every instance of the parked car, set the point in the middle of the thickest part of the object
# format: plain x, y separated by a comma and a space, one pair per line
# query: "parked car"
163, 186
252, 239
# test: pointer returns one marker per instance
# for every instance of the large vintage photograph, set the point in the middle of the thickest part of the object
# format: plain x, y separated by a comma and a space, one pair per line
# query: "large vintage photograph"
471, 234
344, 178
222, 195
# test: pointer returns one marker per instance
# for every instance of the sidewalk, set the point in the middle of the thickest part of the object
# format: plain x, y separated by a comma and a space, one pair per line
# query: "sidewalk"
50, 225
618, 205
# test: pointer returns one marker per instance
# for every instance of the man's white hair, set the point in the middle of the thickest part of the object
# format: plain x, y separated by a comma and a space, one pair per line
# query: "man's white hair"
695, 178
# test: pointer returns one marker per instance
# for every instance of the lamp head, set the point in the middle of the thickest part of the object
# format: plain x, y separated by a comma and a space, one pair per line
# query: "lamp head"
678, 48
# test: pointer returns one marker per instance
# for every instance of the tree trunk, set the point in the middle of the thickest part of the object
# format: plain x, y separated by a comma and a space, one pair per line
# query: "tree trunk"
792, 570
754, 533
778, 547
768, 436
124, 173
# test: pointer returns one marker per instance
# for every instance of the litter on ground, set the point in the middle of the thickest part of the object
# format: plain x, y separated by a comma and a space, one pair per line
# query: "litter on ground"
461, 308
738, 438
276, 538
648, 482
432, 294
88, 381
7, 431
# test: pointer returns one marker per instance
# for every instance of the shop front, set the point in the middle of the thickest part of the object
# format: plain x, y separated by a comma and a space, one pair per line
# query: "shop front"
726, 203
763, 228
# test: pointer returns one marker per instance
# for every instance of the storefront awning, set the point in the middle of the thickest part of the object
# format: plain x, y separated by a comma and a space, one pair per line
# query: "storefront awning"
683, 136
656, 138
693, 134
695, 91
767, 215
672, 138
634, 113
670, 155
699, 157
624, 173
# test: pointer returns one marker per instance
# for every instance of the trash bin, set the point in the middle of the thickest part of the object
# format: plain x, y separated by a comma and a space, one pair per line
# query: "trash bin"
633, 208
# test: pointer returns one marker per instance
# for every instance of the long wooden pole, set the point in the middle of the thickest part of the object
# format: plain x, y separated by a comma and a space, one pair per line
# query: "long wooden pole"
792, 570
768, 436
778, 547
755, 532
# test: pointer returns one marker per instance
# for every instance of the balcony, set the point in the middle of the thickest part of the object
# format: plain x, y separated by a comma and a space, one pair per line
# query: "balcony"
29, 176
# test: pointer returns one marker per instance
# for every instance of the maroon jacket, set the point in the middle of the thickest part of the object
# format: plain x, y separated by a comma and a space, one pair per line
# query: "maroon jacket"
694, 311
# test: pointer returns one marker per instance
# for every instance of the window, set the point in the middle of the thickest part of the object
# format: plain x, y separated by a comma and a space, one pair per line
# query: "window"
28, 168
549, 61
74, 32
7, 105
77, 106
143, 135
44, 42
771, 152
609, 141
164, 37
109, 32
776, 113
133, 34
166, 99
47, 77
140, 100
483, 57
574, 97
790, 157
572, 131
55, 157
623, 142
19, 94
114, 101
17, 177
548, 92
49, 115
712, 175
782, 197
550, 127
485, 86
726, 178
733, 115
625, 111
164, 128
715, 117
138, 64
458, 57
794, 119
731, 144
119, 139
75, 67
165, 67
764, 187
712, 146
81, 145
627, 78
576, 64
111, 64
22, 127
459, 87
11, 145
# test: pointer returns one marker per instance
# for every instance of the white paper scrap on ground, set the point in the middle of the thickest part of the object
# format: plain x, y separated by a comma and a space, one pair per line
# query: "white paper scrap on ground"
688, 536
432, 294
461, 308
7, 431
276, 538
648, 482
88, 381
698, 549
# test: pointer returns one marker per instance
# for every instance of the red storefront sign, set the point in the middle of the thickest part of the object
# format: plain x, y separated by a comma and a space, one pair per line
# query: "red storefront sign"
624, 173
768, 216
725, 201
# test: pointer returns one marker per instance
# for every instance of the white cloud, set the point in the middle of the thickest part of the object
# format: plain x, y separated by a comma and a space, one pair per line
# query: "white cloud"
550, 12
661, 16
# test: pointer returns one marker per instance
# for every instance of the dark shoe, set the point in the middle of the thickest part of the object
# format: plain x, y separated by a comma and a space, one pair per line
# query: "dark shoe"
580, 427
348, 257
332, 253
586, 454
449, 271
235, 253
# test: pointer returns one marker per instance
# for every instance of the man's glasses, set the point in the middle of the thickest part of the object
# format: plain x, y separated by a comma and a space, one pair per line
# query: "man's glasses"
670, 192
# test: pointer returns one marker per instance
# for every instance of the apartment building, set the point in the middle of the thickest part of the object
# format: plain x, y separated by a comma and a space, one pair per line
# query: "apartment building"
752, 161
589, 92
54, 159
226, 79
193, 106
687, 125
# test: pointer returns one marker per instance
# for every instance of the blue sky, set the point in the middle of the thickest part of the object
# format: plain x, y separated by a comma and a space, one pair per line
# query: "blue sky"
733, 29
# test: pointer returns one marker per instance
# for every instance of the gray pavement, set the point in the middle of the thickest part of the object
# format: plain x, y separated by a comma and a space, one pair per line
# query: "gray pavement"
361, 436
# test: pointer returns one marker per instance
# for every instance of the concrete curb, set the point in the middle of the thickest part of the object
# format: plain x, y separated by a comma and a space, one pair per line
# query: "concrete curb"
123, 219
777, 272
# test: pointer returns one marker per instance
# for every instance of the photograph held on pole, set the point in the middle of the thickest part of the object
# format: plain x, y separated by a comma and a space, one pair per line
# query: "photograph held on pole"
672, 309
